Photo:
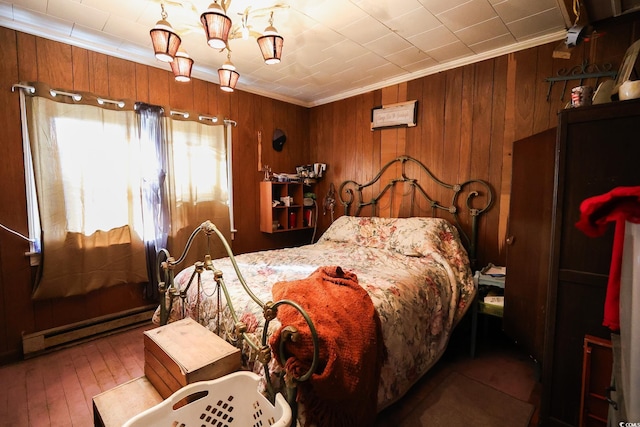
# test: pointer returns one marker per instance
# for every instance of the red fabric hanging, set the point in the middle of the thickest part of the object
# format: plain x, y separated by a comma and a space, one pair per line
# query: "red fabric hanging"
618, 205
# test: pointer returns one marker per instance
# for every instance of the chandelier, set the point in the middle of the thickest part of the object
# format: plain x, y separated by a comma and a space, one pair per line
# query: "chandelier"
218, 30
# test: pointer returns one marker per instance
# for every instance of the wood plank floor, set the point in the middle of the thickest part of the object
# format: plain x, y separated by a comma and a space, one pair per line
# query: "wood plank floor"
498, 363
56, 389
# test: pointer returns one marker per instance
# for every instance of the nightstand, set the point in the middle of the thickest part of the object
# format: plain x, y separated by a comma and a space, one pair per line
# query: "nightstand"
483, 283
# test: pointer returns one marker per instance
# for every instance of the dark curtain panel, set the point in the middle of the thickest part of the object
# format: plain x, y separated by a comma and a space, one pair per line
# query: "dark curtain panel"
155, 210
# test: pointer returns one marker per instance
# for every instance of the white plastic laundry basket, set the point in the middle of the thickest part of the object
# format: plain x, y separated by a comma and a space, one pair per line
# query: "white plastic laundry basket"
232, 400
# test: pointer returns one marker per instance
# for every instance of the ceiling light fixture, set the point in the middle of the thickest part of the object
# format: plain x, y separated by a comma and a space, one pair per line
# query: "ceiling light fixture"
181, 66
218, 29
165, 41
271, 44
228, 75
216, 25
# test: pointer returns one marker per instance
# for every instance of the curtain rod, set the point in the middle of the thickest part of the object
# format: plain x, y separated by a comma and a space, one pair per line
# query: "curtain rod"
21, 86
179, 113
75, 96
119, 103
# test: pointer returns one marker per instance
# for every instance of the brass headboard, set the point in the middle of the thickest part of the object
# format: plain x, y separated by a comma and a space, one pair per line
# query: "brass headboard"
473, 192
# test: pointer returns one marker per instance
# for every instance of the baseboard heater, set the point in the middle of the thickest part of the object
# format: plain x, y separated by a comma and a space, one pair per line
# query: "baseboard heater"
40, 342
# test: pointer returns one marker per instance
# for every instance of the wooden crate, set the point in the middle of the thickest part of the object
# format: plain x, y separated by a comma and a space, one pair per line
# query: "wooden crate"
116, 406
184, 352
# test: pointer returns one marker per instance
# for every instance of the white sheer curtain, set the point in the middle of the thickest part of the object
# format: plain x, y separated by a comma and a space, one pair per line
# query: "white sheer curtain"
114, 186
198, 188
87, 178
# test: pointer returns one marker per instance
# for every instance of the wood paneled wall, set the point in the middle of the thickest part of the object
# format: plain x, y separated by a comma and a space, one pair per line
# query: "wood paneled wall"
25, 57
468, 120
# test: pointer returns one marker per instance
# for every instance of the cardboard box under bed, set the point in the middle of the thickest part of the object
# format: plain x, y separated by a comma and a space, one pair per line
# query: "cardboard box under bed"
184, 352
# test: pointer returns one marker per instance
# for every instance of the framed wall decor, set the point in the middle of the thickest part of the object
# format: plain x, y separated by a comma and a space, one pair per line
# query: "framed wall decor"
627, 66
403, 114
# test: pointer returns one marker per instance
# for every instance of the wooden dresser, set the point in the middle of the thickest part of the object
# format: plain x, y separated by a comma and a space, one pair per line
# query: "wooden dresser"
557, 276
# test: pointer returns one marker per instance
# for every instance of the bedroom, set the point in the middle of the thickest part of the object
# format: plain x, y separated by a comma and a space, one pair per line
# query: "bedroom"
473, 113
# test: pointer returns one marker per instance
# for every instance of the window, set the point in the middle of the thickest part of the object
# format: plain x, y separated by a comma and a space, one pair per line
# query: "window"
98, 180
200, 173
100, 175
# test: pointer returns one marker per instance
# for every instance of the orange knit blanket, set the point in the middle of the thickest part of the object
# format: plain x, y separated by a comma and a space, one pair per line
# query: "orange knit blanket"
343, 390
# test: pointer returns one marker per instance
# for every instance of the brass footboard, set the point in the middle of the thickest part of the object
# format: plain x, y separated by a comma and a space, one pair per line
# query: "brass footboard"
169, 292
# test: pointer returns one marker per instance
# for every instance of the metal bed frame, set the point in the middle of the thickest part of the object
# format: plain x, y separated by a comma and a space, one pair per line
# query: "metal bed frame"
474, 191
169, 292
351, 195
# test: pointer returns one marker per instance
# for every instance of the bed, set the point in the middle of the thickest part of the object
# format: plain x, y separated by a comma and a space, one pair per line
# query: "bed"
416, 271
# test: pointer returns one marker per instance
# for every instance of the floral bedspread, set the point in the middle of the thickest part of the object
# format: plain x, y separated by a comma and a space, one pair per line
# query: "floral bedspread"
415, 270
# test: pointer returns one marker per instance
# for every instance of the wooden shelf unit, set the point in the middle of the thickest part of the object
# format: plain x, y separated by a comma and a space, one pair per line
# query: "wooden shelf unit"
269, 214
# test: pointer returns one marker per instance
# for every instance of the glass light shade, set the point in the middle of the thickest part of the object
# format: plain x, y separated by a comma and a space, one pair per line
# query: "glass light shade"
271, 46
228, 76
216, 26
165, 41
181, 66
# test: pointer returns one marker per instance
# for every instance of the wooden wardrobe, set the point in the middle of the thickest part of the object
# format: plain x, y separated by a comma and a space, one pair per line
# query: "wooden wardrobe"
556, 275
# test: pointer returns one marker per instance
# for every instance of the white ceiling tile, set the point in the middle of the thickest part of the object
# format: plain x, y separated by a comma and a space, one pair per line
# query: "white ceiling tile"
450, 52
324, 12
414, 22
368, 61
388, 44
434, 38
316, 39
407, 57
202, 53
512, 10
35, 5
54, 25
332, 48
346, 51
295, 24
125, 29
292, 83
364, 30
150, 15
491, 44
125, 8
420, 66
385, 11
473, 12
438, 6
78, 13
482, 31
381, 73
534, 25
387, 71
307, 58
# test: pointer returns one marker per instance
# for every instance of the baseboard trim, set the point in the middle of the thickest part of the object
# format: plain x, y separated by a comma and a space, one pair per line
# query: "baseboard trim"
44, 341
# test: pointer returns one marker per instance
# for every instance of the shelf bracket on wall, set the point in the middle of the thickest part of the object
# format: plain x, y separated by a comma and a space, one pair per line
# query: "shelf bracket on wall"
580, 72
